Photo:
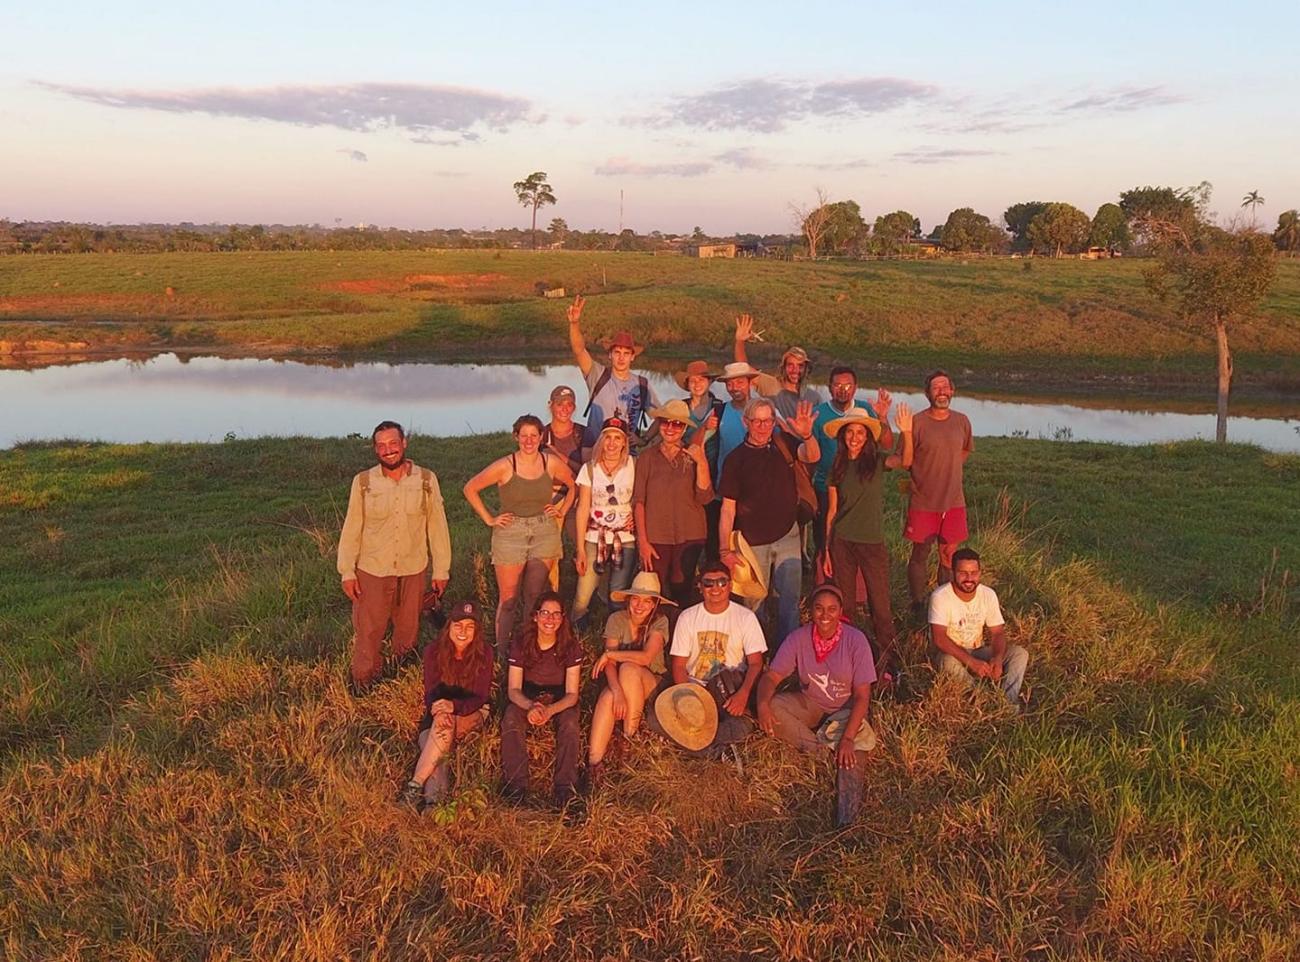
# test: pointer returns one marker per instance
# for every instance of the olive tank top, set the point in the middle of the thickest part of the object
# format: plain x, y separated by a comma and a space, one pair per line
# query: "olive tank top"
526, 497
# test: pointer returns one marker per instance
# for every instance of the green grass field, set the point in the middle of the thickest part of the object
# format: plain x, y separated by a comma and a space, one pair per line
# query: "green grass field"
1064, 320
186, 778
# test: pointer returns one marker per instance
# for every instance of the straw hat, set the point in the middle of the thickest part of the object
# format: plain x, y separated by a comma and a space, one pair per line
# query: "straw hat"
674, 410
853, 416
738, 369
688, 714
748, 579
644, 585
694, 369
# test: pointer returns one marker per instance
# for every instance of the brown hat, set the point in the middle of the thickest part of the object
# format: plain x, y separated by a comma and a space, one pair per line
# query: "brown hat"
688, 715
694, 369
561, 391
623, 339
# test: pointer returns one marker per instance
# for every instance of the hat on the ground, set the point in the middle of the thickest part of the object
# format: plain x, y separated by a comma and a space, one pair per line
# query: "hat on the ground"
644, 585
738, 369
623, 339
796, 352
688, 714
674, 410
694, 369
852, 416
562, 391
462, 610
748, 579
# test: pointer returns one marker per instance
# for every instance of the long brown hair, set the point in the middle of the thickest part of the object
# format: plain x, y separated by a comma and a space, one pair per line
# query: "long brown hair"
865, 461
461, 672
567, 647
639, 634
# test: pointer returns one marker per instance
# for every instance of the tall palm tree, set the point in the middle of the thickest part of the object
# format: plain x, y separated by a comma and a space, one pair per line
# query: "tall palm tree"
1287, 235
1252, 200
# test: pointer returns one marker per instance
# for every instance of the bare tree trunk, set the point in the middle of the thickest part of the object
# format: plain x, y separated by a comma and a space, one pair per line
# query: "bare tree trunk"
1225, 379
535, 226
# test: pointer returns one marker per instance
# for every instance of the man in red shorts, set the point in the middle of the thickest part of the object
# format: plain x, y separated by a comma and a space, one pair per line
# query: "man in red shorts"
941, 443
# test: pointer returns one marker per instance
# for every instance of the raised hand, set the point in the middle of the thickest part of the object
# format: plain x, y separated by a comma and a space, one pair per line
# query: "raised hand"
903, 416
883, 400
574, 312
744, 327
802, 422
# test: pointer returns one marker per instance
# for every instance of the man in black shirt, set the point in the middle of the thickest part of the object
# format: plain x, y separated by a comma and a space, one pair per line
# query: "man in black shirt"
760, 499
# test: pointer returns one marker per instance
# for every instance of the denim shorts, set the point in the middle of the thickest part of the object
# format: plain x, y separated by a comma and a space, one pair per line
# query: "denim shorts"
535, 538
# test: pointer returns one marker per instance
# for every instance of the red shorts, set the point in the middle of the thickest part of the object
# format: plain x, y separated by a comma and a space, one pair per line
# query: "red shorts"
948, 526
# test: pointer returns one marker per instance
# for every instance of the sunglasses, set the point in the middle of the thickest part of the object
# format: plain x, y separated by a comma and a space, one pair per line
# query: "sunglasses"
609, 496
674, 425
718, 582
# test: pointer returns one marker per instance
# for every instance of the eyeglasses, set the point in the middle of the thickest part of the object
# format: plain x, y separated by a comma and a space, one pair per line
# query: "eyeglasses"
550, 614
762, 422
718, 582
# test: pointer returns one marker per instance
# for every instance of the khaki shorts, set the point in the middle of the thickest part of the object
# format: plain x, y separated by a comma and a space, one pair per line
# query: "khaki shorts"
536, 538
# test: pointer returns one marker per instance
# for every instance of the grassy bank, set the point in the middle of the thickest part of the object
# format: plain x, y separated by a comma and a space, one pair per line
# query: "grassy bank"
187, 777
1066, 321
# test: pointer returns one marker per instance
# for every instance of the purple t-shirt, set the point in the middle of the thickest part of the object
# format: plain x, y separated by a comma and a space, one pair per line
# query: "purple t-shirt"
828, 684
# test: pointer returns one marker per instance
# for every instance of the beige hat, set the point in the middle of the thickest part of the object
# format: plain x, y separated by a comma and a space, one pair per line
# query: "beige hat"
688, 714
674, 410
852, 416
748, 579
738, 369
644, 585
694, 369
796, 352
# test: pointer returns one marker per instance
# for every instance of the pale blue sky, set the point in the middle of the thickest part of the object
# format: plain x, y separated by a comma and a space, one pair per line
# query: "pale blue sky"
421, 115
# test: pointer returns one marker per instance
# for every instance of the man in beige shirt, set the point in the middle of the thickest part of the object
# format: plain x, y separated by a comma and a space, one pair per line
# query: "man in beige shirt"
394, 526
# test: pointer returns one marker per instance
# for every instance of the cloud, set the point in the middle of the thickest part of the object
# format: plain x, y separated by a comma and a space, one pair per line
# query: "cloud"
941, 155
855, 164
626, 167
767, 106
415, 108
356, 155
743, 158
1126, 99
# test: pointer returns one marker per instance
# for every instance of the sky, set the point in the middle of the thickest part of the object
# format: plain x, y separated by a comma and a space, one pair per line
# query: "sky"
720, 115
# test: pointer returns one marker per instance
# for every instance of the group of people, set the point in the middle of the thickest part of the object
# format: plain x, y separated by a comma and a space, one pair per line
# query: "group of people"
690, 518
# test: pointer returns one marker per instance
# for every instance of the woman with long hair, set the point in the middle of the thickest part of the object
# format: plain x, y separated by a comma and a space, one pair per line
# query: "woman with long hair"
542, 682
457, 683
525, 537
606, 544
632, 666
855, 527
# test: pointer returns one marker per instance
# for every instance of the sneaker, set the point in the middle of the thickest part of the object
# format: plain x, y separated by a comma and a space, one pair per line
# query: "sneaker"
731, 755
919, 610
411, 795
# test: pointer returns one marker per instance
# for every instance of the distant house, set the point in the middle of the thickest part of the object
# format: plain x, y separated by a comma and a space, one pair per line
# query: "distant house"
1095, 254
921, 247
711, 250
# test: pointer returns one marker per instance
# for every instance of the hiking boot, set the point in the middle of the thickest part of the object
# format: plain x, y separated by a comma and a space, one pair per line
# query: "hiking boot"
919, 610
593, 777
407, 658
512, 795
360, 689
411, 795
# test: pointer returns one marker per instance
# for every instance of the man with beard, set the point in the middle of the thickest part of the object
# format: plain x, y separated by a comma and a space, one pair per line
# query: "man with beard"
936, 514
394, 527
959, 614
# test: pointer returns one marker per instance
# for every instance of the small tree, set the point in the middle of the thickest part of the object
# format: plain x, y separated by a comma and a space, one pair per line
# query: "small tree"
1058, 228
845, 230
1287, 235
533, 191
812, 221
558, 230
1018, 217
1214, 276
966, 230
1110, 228
892, 231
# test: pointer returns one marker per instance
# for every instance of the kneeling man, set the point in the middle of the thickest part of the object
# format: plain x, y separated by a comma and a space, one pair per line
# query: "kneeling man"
836, 672
959, 613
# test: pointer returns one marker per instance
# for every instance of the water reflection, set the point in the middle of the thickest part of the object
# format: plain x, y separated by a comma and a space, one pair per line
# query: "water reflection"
167, 398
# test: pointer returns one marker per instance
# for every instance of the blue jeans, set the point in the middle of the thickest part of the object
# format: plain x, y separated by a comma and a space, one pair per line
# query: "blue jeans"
782, 562
618, 579
1014, 662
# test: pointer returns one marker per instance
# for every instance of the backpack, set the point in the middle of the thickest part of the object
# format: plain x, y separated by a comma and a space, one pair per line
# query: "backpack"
803, 486
643, 388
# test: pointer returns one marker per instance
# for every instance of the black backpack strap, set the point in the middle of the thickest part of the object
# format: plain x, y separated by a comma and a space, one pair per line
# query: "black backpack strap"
599, 386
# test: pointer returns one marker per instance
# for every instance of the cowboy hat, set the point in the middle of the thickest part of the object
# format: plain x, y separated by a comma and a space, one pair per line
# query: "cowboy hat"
853, 416
623, 339
694, 369
644, 585
674, 410
738, 369
688, 715
748, 579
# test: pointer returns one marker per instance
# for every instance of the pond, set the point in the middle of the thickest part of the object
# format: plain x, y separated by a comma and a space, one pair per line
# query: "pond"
178, 398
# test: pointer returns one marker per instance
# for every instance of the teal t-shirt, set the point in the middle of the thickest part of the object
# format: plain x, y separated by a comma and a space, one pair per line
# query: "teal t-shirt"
860, 508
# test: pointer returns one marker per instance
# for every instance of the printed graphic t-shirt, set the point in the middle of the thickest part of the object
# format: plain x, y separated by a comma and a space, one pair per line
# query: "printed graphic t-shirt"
828, 684
712, 642
618, 396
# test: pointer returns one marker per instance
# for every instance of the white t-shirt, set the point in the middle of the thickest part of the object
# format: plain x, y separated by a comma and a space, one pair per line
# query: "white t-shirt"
609, 508
965, 620
712, 642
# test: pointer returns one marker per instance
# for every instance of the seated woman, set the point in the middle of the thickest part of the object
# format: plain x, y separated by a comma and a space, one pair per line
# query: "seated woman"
632, 665
545, 670
457, 682
829, 711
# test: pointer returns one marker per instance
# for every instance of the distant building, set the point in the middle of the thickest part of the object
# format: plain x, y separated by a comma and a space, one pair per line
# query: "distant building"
711, 250
921, 247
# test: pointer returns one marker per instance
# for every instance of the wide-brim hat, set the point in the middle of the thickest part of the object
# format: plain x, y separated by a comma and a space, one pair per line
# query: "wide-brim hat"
674, 410
644, 585
748, 579
623, 339
688, 715
796, 352
694, 369
738, 369
853, 416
